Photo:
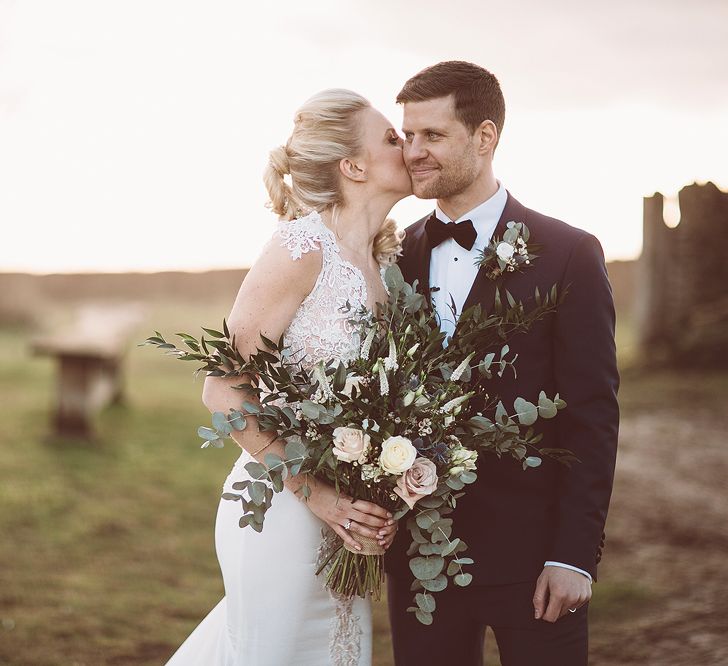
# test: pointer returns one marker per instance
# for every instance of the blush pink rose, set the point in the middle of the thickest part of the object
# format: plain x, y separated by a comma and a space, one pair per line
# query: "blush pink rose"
417, 482
351, 444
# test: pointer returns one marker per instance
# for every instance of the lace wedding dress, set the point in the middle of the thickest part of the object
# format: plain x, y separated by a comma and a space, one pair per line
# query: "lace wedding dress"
276, 611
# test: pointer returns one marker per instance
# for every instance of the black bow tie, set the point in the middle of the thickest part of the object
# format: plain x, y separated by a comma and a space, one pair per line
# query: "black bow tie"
438, 231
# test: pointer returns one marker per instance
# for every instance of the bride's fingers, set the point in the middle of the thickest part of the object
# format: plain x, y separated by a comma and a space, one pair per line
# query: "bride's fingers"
367, 519
371, 508
389, 529
388, 540
363, 530
346, 536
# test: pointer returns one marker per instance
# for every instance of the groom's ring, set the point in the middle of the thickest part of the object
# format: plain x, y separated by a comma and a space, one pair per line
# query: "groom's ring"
347, 524
572, 610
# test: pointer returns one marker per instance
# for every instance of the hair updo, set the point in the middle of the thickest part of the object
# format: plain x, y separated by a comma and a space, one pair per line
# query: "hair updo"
325, 132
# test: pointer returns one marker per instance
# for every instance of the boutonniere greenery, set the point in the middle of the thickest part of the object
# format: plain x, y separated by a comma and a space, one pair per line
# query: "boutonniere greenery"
508, 254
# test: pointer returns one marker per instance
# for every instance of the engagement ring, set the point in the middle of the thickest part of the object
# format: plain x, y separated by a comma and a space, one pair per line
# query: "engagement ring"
347, 525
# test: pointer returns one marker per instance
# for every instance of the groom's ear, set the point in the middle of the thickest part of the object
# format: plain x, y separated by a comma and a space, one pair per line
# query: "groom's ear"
487, 137
352, 170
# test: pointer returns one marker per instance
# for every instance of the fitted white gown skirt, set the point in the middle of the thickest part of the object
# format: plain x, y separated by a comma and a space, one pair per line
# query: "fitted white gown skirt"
276, 611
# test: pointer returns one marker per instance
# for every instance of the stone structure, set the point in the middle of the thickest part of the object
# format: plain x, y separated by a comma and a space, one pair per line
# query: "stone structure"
682, 287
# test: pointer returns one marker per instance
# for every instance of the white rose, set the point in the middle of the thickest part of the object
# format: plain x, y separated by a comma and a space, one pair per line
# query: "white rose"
350, 444
397, 455
504, 251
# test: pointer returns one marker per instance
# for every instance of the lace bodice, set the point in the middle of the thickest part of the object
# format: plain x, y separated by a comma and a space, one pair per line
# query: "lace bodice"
322, 327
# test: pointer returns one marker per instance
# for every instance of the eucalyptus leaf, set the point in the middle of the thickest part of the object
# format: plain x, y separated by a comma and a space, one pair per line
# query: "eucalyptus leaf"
207, 433
273, 460
463, 579
526, 411
425, 602
437, 584
257, 492
245, 520
468, 477
426, 568
450, 547
256, 470
424, 618
221, 424
310, 409
277, 482
237, 420
546, 408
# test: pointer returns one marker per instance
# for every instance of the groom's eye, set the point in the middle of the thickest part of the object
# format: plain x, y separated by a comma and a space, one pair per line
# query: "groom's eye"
432, 136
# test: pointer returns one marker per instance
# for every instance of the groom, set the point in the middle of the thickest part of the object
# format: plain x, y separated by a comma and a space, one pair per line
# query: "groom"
537, 535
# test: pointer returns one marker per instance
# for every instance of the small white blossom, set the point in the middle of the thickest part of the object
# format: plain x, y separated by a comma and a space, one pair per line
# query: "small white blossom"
455, 402
324, 390
390, 363
370, 472
457, 373
383, 382
367, 343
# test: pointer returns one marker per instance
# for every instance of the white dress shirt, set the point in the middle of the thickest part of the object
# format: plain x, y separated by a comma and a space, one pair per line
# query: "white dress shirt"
452, 267
453, 271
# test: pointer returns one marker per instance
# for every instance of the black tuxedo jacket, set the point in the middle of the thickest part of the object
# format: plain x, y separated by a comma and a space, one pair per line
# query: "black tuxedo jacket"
514, 520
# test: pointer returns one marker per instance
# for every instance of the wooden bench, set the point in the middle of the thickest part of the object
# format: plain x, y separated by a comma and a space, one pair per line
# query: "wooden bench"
90, 354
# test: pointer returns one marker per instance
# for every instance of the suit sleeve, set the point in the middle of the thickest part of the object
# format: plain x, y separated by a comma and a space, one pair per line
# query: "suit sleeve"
585, 368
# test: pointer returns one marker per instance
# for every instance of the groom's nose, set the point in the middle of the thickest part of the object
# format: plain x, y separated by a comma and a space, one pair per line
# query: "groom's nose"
415, 150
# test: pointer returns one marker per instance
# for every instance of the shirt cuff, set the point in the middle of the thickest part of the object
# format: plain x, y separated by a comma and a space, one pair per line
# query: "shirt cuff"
568, 566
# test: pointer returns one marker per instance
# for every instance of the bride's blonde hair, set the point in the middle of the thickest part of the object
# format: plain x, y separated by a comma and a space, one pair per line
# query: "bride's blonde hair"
325, 132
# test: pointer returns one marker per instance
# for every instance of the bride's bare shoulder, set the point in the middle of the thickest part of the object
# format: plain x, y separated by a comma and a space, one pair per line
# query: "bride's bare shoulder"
281, 268
284, 273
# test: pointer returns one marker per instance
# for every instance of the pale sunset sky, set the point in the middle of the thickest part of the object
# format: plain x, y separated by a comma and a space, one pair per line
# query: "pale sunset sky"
133, 134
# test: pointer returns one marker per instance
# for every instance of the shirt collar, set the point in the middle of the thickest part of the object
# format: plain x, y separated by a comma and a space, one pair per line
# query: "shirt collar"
485, 216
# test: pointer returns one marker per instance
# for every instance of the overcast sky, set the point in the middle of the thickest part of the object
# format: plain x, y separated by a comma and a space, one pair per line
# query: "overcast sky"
133, 134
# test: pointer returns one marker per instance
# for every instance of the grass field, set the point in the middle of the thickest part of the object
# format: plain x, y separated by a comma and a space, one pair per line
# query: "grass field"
107, 548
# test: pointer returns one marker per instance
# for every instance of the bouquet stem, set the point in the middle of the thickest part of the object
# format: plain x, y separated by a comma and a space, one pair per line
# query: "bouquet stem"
355, 574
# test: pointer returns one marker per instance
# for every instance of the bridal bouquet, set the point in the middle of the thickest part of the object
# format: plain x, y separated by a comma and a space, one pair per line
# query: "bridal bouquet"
401, 425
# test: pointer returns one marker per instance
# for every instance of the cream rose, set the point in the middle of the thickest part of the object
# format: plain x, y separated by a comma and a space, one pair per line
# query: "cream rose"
504, 251
397, 455
417, 482
350, 444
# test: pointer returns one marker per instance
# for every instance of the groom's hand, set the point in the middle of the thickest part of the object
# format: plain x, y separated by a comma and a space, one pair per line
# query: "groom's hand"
558, 590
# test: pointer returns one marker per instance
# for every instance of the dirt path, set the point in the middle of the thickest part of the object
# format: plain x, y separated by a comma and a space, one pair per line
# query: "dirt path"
666, 559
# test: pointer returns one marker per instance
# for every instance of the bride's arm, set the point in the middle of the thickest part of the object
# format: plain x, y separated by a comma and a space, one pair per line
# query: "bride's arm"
267, 301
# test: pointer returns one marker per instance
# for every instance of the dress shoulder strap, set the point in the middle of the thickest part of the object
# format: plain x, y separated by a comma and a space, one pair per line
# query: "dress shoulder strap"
306, 234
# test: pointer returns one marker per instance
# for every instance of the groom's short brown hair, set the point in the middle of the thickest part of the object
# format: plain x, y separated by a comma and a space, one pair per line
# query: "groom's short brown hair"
476, 92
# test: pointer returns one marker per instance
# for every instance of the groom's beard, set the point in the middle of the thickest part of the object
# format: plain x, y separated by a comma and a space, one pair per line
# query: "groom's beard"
452, 178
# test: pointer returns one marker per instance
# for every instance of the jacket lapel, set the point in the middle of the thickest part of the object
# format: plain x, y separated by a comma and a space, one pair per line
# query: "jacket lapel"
417, 261
483, 289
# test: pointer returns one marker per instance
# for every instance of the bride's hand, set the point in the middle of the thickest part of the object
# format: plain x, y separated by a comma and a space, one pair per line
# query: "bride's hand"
336, 510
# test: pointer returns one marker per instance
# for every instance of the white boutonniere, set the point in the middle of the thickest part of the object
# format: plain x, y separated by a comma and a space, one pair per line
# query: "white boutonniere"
508, 254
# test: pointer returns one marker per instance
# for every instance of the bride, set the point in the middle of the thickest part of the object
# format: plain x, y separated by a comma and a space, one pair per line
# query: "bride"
346, 172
